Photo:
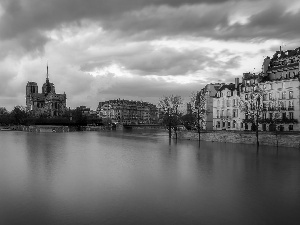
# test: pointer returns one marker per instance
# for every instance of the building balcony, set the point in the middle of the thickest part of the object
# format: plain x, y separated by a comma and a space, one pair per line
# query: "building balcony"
225, 117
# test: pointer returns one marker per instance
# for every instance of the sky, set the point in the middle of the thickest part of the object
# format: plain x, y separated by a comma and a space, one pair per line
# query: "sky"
99, 50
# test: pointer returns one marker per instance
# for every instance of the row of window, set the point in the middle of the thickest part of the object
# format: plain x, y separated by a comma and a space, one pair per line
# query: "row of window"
281, 104
228, 94
269, 96
221, 113
227, 125
277, 115
228, 102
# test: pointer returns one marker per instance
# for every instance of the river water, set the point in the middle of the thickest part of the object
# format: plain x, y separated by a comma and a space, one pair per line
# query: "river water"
140, 177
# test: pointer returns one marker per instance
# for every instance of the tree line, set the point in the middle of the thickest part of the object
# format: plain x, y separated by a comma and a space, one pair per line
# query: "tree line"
20, 116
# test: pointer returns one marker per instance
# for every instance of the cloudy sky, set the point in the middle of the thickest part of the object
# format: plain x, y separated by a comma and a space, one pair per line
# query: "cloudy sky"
137, 49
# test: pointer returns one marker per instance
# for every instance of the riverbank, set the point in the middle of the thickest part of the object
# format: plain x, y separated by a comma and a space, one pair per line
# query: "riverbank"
285, 139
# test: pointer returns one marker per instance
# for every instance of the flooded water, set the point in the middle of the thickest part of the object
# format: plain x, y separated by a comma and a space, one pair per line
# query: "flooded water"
140, 178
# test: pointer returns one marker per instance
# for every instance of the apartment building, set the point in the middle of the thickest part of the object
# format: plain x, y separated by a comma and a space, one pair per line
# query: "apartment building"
128, 112
208, 92
226, 107
279, 82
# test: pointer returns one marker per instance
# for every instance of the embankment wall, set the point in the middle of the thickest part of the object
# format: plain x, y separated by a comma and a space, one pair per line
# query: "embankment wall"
265, 138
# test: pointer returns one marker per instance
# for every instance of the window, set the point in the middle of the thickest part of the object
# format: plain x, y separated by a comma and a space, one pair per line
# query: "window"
291, 115
264, 116
291, 127
271, 86
265, 97
218, 114
234, 113
241, 125
283, 94
290, 94
284, 105
223, 124
228, 93
284, 115
218, 103
234, 124
228, 124
291, 105
228, 102
270, 96
280, 85
233, 102
270, 115
246, 96
292, 74
222, 113
264, 106
228, 113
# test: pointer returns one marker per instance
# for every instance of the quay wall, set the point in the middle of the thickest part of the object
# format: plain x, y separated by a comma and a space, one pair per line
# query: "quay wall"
288, 139
44, 129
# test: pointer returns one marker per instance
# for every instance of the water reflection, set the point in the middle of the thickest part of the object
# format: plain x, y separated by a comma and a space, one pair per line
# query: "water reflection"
143, 178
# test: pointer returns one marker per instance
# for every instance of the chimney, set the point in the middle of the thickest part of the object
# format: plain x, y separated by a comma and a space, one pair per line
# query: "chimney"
236, 83
280, 49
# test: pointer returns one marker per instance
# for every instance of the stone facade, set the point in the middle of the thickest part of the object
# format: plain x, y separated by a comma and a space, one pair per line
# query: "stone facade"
265, 138
226, 108
279, 82
128, 112
47, 103
209, 92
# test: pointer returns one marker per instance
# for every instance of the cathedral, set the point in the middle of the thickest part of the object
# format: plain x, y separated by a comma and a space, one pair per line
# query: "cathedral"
47, 103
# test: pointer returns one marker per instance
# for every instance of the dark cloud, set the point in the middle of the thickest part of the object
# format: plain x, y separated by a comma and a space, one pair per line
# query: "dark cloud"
166, 61
23, 15
24, 18
145, 59
273, 22
155, 22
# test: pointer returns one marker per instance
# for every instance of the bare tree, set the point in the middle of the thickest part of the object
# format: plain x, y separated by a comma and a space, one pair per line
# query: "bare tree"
198, 107
253, 108
170, 106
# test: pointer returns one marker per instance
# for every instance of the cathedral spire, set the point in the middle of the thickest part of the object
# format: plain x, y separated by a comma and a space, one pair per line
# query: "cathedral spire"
47, 72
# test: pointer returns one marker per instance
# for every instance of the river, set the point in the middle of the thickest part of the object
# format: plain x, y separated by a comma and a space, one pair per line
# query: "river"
139, 177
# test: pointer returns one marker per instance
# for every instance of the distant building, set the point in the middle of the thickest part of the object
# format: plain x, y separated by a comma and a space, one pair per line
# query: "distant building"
189, 108
47, 103
128, 112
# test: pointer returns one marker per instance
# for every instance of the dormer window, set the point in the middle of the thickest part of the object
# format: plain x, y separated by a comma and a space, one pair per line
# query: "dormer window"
229, 93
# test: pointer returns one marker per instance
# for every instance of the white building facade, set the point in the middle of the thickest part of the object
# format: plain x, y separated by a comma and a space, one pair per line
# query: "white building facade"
226, 112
